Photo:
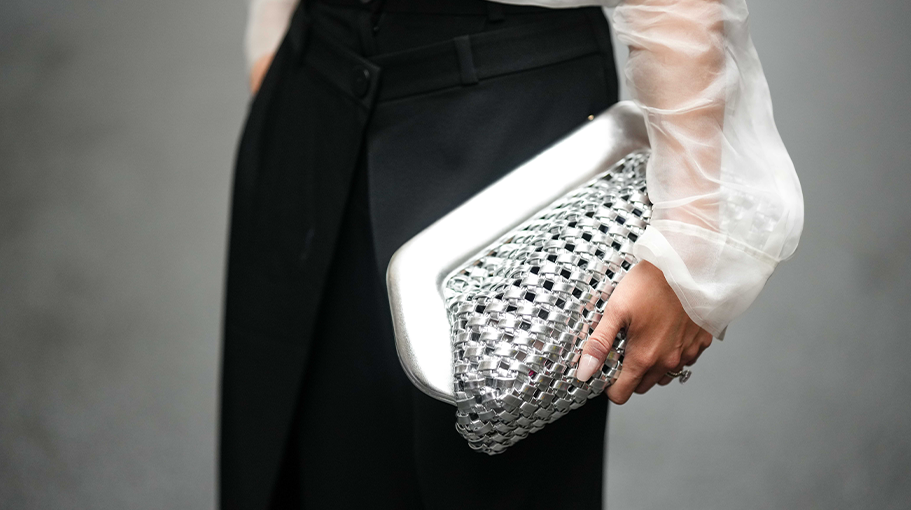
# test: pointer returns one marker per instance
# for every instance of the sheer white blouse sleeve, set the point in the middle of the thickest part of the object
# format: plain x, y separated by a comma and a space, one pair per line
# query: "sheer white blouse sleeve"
728, 206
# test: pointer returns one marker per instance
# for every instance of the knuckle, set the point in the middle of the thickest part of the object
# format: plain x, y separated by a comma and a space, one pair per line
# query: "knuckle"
672, 360
635, 363
651, 358
600, 335
598, 345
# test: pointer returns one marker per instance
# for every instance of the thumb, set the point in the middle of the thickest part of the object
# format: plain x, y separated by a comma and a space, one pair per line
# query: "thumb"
601, 340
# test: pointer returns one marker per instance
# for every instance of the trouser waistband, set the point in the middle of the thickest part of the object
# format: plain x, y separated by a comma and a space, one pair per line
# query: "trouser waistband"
435, 6
464, 60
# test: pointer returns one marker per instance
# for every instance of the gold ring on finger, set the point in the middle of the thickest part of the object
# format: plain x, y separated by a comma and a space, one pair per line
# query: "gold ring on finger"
683, 374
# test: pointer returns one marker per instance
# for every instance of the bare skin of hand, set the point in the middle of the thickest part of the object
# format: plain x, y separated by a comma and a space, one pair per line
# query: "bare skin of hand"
660, 335
258, 71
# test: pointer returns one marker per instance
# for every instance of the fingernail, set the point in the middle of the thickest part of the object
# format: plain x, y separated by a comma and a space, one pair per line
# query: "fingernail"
587, 367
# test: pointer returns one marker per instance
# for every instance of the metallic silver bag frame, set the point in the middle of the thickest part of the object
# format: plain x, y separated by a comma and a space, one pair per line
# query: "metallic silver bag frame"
418, 270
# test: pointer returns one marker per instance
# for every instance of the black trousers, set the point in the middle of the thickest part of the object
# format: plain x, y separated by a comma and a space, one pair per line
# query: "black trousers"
373, 121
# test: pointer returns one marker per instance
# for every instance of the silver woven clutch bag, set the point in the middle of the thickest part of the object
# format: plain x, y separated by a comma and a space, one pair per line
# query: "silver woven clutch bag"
493, 303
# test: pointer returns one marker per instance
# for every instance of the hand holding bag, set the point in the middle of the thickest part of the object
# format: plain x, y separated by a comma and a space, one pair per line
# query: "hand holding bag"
492, 304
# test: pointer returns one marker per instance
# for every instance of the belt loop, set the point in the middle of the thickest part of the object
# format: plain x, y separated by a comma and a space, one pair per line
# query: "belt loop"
376, 13
368, 25
365, 33
466, 60
494, 12
300, 30
597, 18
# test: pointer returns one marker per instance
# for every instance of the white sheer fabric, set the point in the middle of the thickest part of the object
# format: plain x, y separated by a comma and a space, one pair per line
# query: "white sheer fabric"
728, 204
727, 201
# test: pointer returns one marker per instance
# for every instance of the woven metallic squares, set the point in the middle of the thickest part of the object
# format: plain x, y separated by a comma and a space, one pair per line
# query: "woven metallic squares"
521, 311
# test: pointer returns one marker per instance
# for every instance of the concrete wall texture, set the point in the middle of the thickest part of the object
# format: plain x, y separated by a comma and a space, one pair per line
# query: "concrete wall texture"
118, 124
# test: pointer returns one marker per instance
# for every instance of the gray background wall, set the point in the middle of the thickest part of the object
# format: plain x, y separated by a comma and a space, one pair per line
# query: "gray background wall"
118, 123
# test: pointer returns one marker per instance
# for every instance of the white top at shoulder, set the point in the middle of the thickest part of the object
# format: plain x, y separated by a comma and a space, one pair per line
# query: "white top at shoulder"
728, 206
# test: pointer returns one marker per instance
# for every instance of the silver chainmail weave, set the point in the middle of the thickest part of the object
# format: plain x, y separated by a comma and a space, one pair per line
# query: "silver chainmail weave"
521, 310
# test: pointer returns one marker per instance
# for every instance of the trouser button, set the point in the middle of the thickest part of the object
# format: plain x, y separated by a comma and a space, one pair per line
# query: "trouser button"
360, 81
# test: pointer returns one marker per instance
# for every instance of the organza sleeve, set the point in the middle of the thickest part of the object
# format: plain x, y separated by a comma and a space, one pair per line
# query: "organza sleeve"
727, 201
267, 21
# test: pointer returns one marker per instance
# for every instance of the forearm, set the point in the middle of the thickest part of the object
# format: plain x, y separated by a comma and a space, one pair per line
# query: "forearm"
675, 66
727, 202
